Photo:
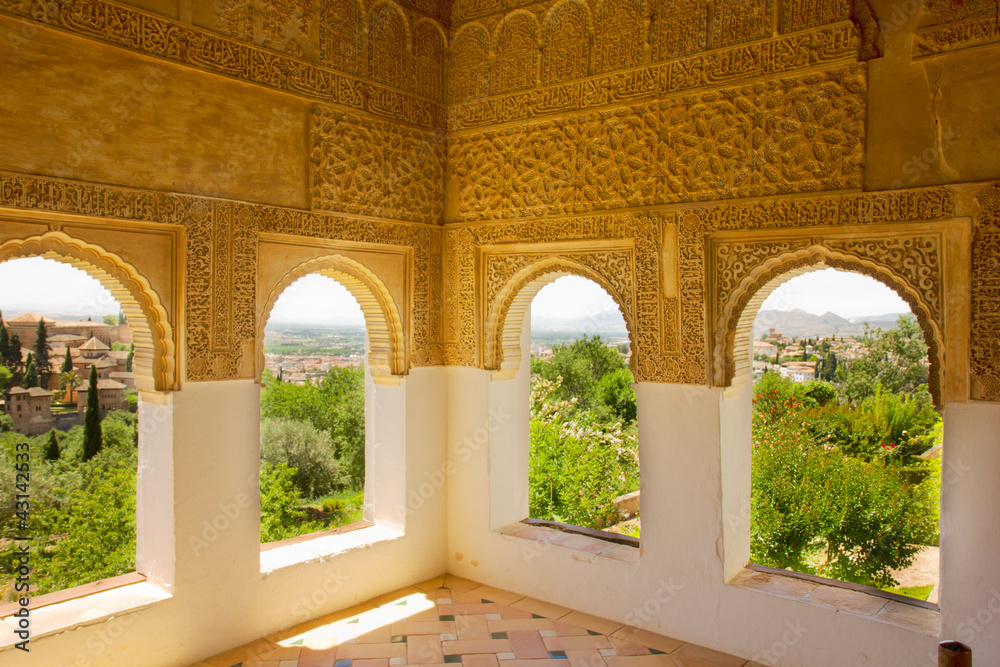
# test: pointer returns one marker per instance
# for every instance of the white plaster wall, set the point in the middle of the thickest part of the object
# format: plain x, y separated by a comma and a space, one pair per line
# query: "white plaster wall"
220, 597
690, 440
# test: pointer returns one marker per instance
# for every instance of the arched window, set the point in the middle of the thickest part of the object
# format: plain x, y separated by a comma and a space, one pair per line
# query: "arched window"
313, 411
846, 443
70, 414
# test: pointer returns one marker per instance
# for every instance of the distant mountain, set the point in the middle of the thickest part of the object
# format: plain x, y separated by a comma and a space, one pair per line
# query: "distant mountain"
11, 313
800, 324
605, 323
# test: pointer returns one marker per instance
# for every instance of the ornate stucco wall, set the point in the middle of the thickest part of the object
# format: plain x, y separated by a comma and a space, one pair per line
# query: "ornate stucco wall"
445, 160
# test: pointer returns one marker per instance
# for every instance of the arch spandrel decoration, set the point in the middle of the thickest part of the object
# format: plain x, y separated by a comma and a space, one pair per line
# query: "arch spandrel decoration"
387, 354
509, 294
154, 357
747, 272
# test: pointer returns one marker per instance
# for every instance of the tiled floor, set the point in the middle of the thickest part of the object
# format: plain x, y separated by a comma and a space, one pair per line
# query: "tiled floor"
449, 620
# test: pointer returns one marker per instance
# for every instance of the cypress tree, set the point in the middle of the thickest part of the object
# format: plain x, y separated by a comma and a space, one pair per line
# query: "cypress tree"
30, 375
52, 447
41, 350
67, 365
4, 342
13, 358
128, 359
92, 437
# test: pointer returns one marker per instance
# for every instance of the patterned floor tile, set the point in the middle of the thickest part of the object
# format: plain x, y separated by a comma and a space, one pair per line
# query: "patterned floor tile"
451, 621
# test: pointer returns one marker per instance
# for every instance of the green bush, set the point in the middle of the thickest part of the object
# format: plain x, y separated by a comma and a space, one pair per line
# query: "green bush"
306, 450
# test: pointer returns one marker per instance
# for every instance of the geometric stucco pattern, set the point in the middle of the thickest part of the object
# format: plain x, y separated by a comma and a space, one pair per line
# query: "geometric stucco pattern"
376, 168
798, 134
221, 260
985, 361
621, 252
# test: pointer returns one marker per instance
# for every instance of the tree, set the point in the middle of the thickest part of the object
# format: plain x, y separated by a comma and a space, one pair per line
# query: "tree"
52, 448
67, 364
581, 365
306, 450
128, 359
111, 320
895, 359
13, 359
822, 505
92, 437
41, 351
6, 377
122, 319
69, 380
30, 375
4, 341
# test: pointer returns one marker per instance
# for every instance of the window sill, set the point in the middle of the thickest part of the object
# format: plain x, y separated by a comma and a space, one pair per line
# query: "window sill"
914, 615
80, 606
588, 543
322, 546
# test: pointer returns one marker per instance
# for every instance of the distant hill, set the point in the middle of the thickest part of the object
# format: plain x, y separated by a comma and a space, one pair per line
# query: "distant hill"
800, 324
11, 313
606, 324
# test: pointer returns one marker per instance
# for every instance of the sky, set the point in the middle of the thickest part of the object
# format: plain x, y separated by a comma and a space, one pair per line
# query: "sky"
47, 285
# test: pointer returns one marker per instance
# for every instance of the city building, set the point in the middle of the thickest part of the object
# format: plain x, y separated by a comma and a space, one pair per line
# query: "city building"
444, 161
30, 409
110, 396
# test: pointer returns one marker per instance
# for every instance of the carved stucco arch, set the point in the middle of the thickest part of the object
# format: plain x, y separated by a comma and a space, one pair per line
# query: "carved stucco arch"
506, 313
153, 360
739, 308
387, 355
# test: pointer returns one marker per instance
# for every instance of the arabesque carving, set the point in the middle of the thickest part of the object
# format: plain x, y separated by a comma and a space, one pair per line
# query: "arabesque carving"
741, 21
221, 261
341, 34
793, 135
372, 167
910, 263
152, 333
952, 26
160, 37
985, 353
837, 43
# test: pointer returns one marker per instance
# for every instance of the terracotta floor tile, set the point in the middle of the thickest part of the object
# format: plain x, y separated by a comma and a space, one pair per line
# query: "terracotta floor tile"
261, 663
682, 661
380, 635
625, 647
472, 627
459, 583
527, 644
246, 652
476, 646
585, 658
541, 608
576, 643
436, 593
649, 639
282, 653
707, 655
465, 597
496, 594
423, 650
508, 612
479, 661
564, 629
371, 662
434, 627
433, 582
463, 609
317, 658
506, 625
355, 651
659, 660
288, 663
534, 663
595, 623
